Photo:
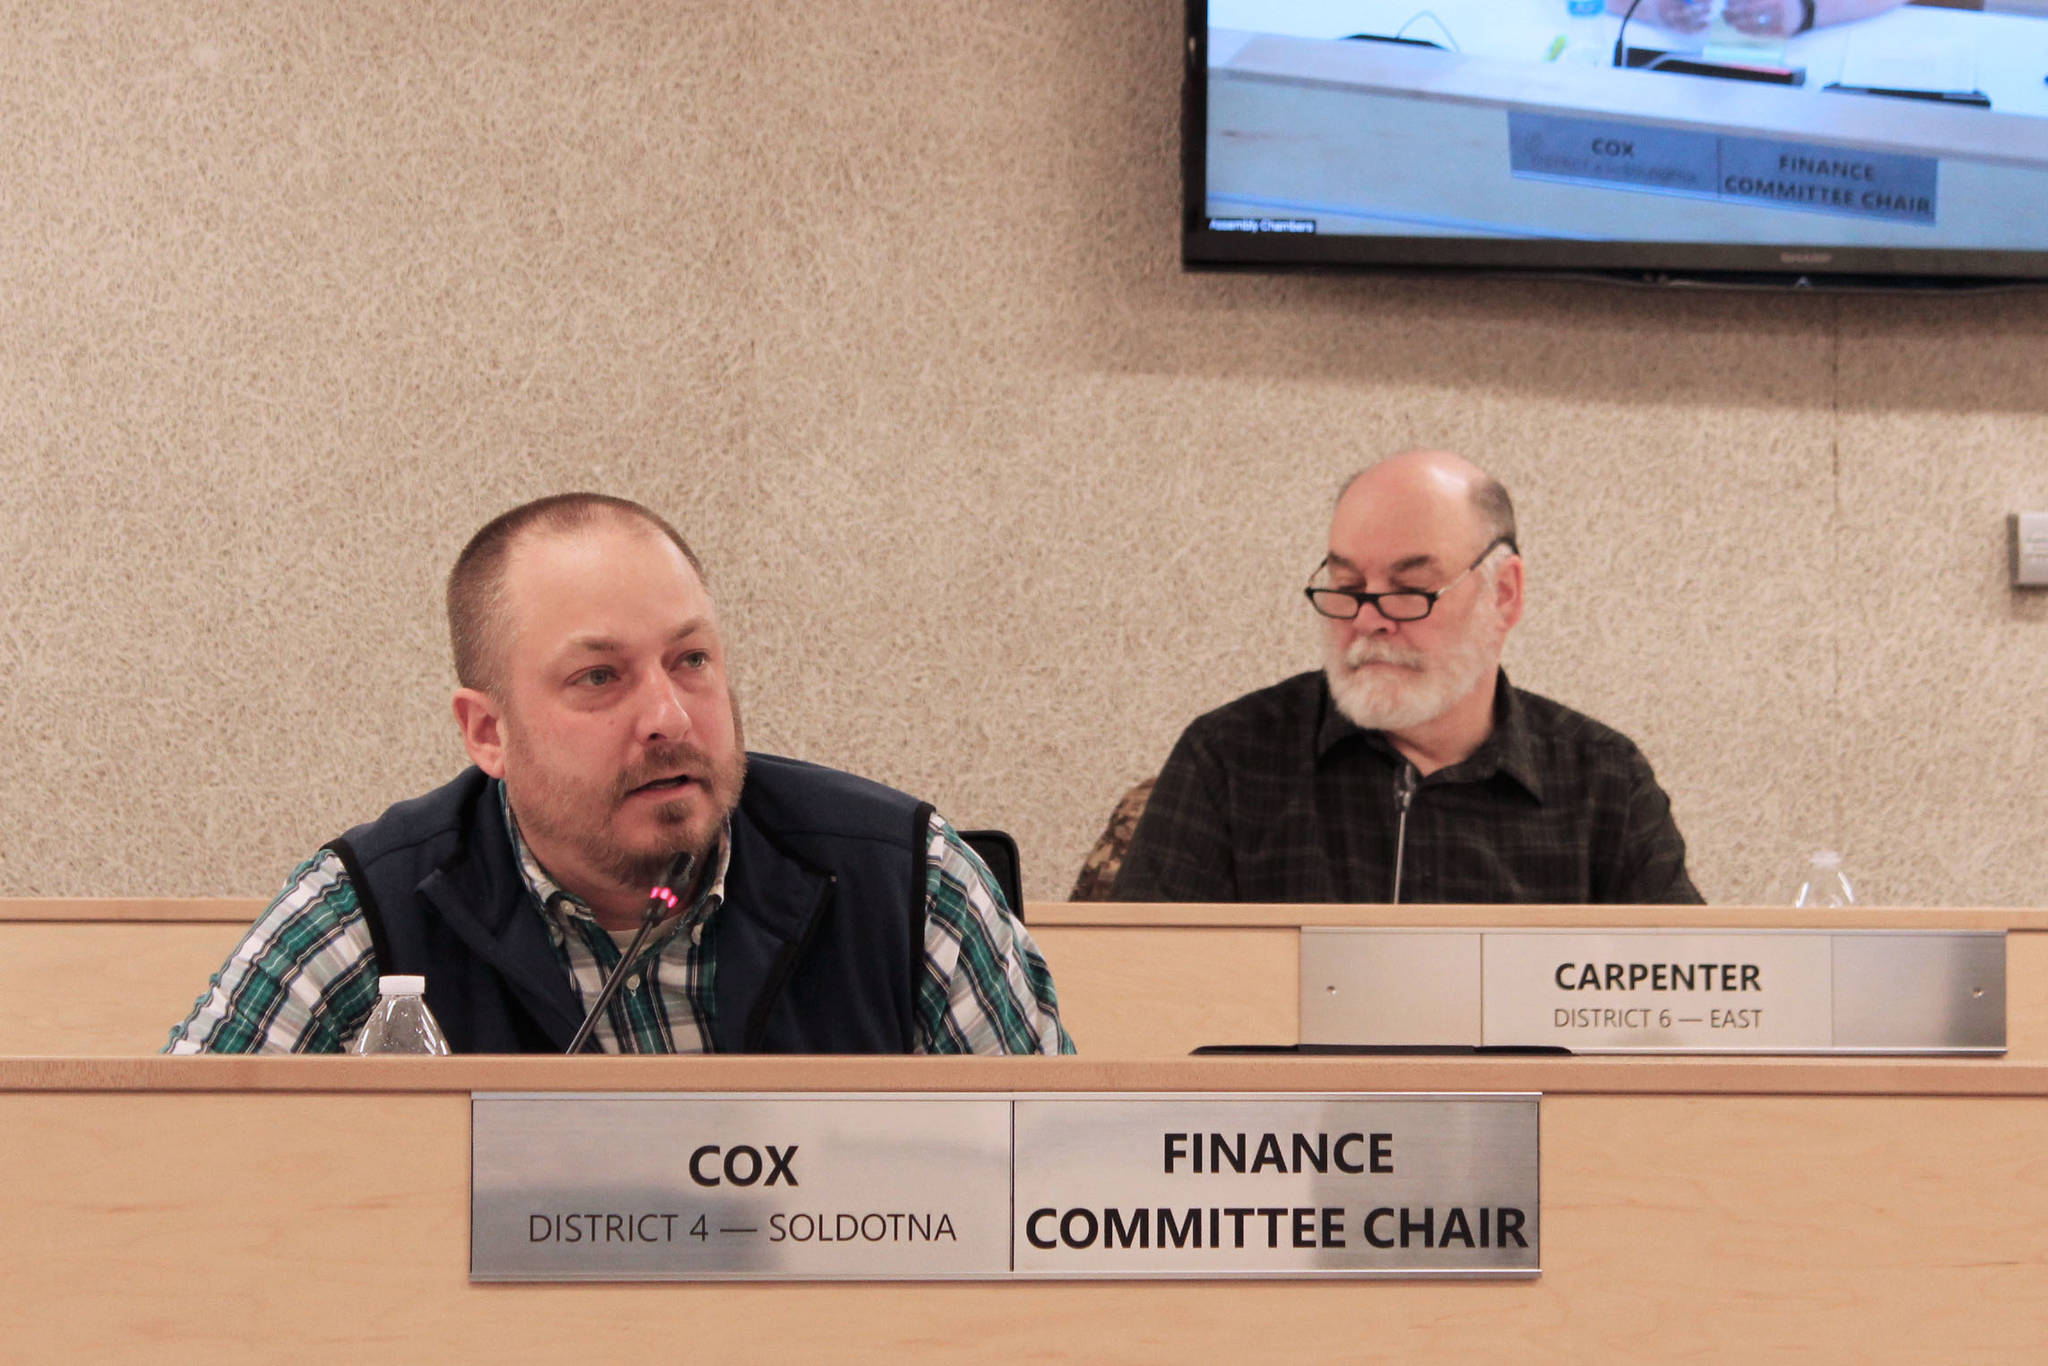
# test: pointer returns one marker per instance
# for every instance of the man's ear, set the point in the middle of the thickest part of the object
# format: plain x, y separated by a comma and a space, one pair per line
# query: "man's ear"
1507, 592
481, 721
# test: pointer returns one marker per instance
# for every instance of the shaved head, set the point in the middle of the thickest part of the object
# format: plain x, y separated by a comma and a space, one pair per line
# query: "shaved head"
477, 628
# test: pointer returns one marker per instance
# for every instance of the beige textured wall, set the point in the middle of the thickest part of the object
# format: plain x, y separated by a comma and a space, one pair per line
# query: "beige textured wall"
881, 301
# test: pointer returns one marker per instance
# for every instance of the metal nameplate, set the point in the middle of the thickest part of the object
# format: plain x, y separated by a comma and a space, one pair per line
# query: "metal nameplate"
570, 1187
1810, 177
1656, 990
1594, 151
579, 1187
1269, 1186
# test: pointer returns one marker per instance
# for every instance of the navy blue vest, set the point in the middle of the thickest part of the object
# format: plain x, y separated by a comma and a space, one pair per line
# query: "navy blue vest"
820, 942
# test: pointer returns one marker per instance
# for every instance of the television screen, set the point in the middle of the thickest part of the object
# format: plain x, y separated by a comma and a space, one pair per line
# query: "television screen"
1827, 139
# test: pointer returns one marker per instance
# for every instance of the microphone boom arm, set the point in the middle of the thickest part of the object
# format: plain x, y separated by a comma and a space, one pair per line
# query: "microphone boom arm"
661, 901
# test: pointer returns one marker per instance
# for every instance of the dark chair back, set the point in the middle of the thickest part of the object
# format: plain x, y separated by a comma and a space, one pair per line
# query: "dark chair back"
999, 852
1097, 881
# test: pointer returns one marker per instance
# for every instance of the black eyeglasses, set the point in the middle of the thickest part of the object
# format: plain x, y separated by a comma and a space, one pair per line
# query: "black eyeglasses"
1400, 604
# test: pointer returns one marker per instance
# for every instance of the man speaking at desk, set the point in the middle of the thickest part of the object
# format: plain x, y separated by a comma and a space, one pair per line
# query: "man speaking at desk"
815, 912
1409, 769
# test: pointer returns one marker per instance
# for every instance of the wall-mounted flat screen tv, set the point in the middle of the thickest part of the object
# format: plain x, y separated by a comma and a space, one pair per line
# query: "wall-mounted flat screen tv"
1802, 141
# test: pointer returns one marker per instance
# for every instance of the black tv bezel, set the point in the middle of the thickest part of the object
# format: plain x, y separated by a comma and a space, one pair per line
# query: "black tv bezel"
1620, 262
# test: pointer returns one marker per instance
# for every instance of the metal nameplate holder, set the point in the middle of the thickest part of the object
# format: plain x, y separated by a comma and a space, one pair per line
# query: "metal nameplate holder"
1024, 1186
1656, 990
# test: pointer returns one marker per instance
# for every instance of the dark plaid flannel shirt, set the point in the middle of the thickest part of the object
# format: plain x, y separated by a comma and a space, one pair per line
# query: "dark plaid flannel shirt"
1276, 797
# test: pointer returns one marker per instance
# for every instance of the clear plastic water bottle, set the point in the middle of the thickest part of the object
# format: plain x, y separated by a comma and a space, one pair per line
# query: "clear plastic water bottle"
1585, 40
401, 1022
1824, 883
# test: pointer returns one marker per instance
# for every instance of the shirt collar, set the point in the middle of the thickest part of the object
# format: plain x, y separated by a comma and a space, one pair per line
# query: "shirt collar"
563, 906
1509, 749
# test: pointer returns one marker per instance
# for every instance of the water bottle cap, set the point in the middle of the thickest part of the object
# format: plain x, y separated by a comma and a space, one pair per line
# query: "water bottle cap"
400, 986
1826, 858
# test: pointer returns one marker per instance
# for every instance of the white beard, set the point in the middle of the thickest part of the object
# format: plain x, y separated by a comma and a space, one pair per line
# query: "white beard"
1408, 687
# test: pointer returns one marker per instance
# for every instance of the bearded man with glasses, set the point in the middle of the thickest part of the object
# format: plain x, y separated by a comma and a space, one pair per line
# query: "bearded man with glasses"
1408, 769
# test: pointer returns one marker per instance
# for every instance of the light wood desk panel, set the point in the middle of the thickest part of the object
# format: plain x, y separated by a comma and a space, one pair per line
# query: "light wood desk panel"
86, 988
1160, 992
1135, 981
229, 1210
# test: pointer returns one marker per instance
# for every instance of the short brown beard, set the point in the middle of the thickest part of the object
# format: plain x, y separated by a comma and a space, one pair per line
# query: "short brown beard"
628, 869
725, 785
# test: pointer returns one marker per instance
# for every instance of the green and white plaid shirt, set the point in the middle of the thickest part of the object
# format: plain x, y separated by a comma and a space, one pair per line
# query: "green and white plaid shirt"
304, 979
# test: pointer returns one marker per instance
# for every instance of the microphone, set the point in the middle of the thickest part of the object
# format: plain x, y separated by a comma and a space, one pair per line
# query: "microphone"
1404, 797
663, 900
1621, 36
